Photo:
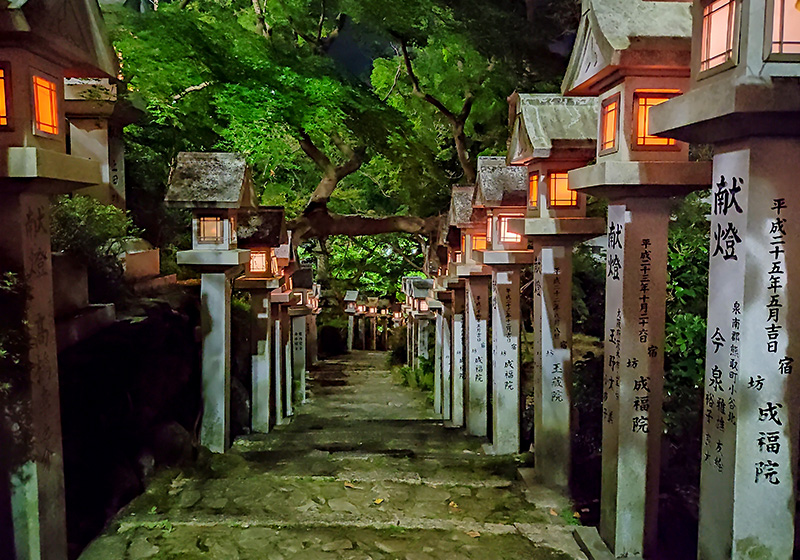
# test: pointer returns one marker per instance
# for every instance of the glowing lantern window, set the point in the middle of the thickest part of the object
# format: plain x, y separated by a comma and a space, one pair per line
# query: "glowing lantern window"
560, 193
274, 265
644, 100
423, 305
46, 105
489, 230
258, 261
463, 242
785, 27
716, 40
3, 96
533, 189
478, 242
211, 230
609, 124
457, 256
506, 235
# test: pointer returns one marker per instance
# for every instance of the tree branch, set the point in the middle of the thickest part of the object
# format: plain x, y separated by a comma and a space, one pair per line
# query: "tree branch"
321, 223
316, 154
190, 89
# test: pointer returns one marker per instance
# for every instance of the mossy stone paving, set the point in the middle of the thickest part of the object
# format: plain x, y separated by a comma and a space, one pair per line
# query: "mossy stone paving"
364, 471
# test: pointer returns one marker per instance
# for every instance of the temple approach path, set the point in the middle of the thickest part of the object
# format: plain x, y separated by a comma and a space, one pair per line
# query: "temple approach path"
363, 471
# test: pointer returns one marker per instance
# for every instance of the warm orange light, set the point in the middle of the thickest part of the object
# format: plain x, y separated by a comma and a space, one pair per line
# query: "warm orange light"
478, 242
274, 268
423, 305
258, 261
533, 189
785, 27
644, 100
609, 123
506, 235
560, 193
716, 41
211, 230
46, 105
489, 230
3, 102
463, 242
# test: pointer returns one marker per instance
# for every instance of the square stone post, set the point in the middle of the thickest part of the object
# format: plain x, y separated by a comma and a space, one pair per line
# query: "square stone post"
313, 343
215, 297
36, 459
262, 364
505, 434
437, 365
350, 333
288, 363
446, 367
299, 352
423, 335
633, 373
750, 426
458, 369
477, 303
373, 343
362, 331
280, 372
553, 367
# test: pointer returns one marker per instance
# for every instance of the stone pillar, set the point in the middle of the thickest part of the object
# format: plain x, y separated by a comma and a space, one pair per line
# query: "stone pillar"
477, 303
299, 353
362, 332
313, 347
423, 332
261, 367
373, 343
215, 297
437, 365
350, 333
458, 370
279, 384
553, 376
35, 456
633, 373
288, 378
447, 369
750, 425
505, 361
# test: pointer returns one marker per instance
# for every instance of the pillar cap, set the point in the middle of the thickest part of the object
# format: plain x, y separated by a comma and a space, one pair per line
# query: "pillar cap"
649, 179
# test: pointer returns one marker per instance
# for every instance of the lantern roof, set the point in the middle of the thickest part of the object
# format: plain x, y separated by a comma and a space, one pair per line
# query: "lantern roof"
500, 184
351, 295
421, 287
261, 227
653, 37
210, 180
542, 122
69, 33
461, 210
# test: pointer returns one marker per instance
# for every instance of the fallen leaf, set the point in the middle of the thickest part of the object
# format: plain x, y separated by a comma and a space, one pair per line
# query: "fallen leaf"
473, 534
378, 501
349, 485
553, 512
576, 515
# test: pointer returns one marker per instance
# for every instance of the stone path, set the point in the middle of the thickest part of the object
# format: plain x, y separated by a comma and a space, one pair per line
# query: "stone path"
364, 471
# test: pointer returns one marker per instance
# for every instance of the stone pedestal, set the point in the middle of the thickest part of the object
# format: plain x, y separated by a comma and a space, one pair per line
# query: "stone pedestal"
350, 333
749, 453
552, 305
261, 363
35, 460
437, 365
299, 352
505, 429
215, 297
477, 304
458, 369
633, 373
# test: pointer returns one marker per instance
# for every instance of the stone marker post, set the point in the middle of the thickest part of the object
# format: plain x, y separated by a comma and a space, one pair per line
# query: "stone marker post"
437, 364
299, 354
458, 370
447, 365
477, 304
262, 365
350, 333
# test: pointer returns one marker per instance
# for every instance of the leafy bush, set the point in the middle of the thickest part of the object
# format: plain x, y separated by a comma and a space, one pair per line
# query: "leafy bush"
92, 232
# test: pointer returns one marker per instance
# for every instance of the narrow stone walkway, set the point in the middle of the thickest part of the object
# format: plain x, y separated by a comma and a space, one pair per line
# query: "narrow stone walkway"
364, 471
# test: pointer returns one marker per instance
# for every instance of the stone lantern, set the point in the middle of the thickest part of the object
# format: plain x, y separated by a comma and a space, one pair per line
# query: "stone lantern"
261, 230
476, 277
552, 134
350, 299
419, 290
744, 100
215, 187
502, 190
633, 56
41, 44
